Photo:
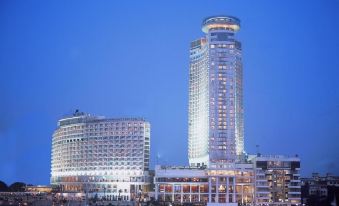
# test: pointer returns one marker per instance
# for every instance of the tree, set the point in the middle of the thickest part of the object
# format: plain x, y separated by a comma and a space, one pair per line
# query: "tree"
17, 187
3, 187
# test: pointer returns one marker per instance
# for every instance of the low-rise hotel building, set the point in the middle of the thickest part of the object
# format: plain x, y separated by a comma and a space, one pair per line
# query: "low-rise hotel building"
261, 180
205, 186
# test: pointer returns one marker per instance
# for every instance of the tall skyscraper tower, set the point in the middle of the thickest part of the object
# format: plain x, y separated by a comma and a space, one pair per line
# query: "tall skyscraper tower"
216, 122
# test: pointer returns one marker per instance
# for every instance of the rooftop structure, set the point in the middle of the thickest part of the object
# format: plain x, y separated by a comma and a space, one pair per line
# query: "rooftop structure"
220, 23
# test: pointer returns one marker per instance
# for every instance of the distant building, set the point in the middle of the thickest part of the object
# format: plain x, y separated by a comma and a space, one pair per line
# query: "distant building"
39, 189
318, 186
99, 156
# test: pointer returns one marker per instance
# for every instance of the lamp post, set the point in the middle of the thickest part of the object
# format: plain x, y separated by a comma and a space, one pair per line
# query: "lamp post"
119, 195
104, 193
139, 194
86, 190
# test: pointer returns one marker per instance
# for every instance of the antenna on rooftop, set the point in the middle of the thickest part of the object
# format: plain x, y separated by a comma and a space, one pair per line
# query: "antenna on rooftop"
257, 150
157, 160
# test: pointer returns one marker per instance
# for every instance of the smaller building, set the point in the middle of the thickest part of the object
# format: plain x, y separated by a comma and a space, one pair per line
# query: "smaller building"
318, 186
277, 180
39, 189
256, 180
181, 184
199, 185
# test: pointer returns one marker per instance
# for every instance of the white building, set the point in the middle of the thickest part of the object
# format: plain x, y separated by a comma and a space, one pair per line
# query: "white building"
205, 186
261, 180
215, 132
99, 156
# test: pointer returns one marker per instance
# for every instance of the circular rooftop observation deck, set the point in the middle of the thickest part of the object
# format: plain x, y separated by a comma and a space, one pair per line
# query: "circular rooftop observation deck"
220, 22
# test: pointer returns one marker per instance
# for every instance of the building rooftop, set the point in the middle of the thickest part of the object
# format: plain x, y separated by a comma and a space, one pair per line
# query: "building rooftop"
220, 21
82, 117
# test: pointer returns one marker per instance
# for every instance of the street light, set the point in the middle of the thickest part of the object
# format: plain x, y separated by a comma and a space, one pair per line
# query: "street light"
104, 193
120, 191
139, 194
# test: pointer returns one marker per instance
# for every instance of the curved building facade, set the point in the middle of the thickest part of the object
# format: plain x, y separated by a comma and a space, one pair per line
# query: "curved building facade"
100, 156
215, 94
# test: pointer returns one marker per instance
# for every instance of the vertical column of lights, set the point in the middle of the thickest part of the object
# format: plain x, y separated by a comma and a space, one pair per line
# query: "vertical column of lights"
239, 117
222, 148
198, 102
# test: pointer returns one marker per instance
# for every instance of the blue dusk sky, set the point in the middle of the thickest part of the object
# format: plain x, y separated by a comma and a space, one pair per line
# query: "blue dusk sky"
131, 59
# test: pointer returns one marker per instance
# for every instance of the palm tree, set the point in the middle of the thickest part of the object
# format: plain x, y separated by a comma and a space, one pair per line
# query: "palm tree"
3, 187
17, 187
